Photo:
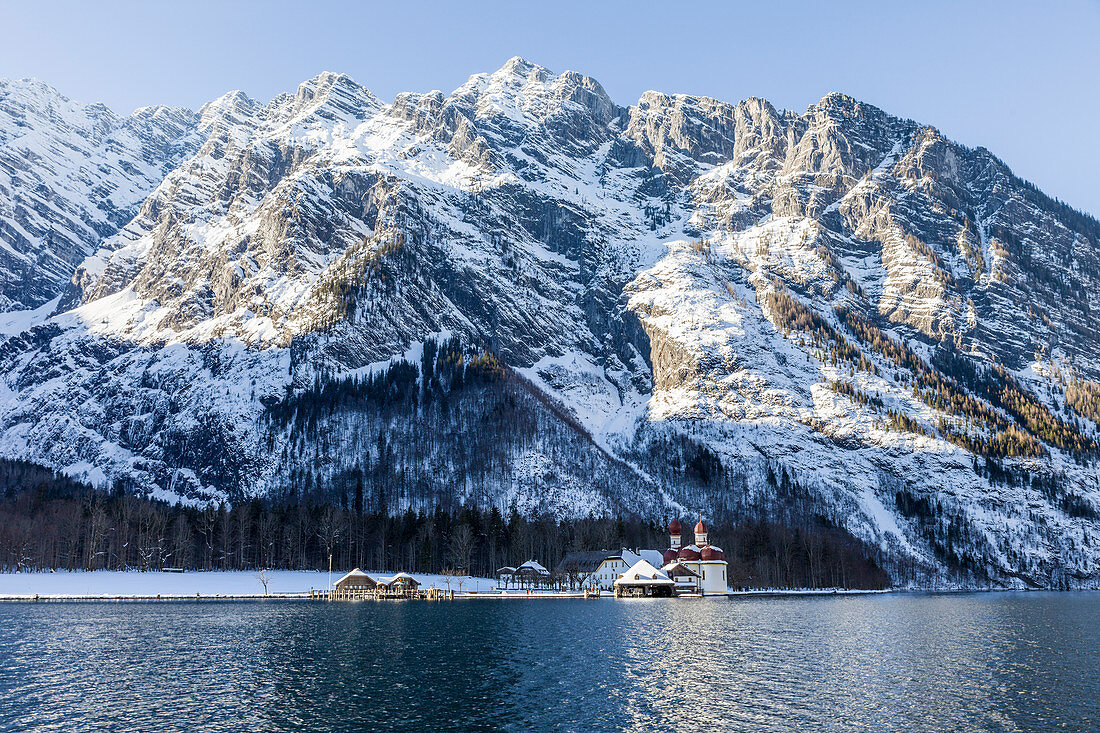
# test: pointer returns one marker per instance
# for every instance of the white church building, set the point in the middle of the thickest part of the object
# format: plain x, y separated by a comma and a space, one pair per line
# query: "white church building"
700, 565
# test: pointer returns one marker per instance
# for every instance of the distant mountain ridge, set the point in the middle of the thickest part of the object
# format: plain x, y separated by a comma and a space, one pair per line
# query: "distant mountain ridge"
524, 294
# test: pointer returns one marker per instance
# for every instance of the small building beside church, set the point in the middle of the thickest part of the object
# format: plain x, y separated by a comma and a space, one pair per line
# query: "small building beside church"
686, 580
615, 564
643, 580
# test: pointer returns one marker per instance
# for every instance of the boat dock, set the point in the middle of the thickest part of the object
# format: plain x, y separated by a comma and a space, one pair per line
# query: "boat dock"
437, 594
381, 593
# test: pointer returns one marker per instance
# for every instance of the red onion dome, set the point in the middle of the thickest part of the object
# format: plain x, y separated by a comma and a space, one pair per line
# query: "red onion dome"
689, 553
700, 528
674, 527
713, 553
670, 556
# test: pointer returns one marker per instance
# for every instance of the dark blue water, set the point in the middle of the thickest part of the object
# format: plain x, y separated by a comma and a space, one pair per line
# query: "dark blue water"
1002, 661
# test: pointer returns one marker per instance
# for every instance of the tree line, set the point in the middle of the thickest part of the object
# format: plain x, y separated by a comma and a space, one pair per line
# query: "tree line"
50, 522
957, 385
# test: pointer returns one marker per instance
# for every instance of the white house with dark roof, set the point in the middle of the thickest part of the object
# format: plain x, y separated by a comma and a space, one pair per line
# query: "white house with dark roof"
617, 563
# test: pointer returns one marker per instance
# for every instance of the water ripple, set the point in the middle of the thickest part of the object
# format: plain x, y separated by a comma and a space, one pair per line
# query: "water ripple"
997, 662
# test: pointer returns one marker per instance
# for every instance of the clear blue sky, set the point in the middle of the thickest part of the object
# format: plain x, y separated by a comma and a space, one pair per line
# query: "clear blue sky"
1022, 79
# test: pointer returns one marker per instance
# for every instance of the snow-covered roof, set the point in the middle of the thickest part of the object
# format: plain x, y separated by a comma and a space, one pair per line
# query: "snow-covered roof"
628, 557
356, 574
534, 567
653, 557
678, 568
642, 573
388, 580
506, 570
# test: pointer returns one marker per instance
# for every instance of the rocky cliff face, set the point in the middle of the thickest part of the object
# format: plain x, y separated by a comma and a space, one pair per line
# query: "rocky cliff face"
697, 305
72, 175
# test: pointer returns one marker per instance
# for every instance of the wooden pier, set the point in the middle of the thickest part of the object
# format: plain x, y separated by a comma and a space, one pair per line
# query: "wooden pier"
381, 594
435, 594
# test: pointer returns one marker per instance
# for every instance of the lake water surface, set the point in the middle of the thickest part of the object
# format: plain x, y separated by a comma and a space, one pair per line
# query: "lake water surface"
905, 662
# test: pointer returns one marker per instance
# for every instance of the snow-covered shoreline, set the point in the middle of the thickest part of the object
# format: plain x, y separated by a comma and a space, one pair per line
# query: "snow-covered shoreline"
281, 584
112, 585
229, 584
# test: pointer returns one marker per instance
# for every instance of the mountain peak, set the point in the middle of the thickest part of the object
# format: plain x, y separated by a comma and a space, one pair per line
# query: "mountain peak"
230, 100
517, 65
327, 80
523, 90
338, 91
32, 84
837, 99
233, 105
844, 104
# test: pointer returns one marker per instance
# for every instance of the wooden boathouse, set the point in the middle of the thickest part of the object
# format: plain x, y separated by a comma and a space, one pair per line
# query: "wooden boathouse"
644, 580
357, 585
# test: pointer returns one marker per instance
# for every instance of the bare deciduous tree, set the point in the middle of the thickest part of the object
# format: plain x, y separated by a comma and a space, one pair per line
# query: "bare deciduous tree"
328, 530
460, 545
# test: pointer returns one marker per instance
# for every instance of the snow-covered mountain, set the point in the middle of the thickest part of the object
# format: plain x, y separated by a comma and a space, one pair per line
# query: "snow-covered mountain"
70, 176
523, 293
